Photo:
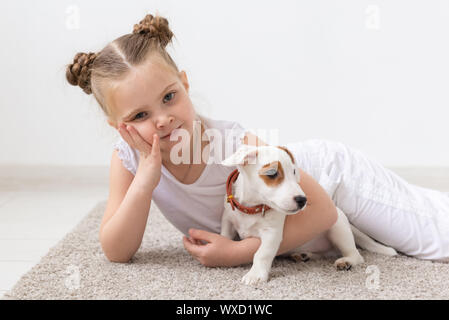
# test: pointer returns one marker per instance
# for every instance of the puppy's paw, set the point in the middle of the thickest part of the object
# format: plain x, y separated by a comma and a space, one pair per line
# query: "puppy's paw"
255, 276
300, 257
346, 263
305, 256
342, 264
390, 252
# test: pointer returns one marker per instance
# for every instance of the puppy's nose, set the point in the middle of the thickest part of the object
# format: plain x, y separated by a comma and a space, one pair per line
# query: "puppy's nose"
301, 201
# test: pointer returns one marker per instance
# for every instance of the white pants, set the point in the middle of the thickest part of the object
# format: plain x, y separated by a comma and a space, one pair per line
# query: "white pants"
409, 218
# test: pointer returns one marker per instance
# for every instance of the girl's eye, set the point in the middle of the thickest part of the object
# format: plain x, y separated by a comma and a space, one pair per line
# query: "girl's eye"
168, 94
136, 117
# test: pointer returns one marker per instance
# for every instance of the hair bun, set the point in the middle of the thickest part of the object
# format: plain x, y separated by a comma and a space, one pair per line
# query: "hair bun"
78, 73
156, 27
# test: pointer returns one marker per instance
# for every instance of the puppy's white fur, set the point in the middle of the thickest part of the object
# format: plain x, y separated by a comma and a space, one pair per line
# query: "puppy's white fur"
250, 190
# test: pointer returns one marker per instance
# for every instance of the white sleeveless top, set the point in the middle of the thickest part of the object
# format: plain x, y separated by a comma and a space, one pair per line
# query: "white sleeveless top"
198, 205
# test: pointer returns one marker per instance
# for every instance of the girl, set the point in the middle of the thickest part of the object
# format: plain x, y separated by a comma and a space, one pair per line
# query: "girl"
145, 97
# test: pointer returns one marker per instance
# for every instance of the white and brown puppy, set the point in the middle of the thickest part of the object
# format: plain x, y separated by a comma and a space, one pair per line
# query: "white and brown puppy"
261, 192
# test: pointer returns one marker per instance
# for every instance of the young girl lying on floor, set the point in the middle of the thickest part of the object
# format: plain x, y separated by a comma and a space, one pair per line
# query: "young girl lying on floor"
146, 98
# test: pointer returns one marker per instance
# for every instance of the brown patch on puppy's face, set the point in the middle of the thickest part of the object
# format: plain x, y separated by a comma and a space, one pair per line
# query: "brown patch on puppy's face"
288, 151
272, 174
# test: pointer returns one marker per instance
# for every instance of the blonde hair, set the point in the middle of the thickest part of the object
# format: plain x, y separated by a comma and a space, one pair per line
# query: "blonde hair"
95, 72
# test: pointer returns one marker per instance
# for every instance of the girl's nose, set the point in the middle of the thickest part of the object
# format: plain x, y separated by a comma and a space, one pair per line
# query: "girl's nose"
164, 121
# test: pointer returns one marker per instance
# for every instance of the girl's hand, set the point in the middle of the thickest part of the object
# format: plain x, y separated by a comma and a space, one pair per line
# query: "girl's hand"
150, 160
217, 252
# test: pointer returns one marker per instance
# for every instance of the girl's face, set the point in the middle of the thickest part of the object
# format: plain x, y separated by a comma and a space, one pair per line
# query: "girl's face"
153, 99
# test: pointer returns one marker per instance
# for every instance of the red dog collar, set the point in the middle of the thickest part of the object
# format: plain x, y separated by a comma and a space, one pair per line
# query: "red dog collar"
234, 203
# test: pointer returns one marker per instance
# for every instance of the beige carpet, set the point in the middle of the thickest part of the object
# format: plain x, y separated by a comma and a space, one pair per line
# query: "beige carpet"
76, 268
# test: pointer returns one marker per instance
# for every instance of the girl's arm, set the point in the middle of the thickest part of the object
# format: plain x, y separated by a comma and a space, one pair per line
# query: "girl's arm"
126, 213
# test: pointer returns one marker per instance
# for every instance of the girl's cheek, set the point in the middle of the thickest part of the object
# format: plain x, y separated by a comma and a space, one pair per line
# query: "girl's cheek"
145, 132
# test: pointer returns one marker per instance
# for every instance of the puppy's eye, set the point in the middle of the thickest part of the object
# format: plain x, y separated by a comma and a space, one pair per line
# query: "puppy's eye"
272, 174
294, 171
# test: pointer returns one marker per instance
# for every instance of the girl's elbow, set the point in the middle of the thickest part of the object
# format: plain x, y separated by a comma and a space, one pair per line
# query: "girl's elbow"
112, 254
116, 258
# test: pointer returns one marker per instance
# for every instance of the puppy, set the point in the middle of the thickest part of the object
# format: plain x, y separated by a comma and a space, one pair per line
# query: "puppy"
261, 192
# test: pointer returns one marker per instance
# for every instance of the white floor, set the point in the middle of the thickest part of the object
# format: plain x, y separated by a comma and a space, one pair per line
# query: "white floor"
39, 205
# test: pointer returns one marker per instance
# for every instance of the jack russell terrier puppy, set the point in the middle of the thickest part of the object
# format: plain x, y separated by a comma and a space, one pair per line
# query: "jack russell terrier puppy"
267, 189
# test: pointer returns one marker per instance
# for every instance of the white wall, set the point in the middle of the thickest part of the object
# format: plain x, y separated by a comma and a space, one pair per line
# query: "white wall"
372, 74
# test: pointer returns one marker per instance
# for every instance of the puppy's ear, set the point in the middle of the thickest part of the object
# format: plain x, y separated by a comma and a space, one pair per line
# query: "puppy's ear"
244, 155
288, 152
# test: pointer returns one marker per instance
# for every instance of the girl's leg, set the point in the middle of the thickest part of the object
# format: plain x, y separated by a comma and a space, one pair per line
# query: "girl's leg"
409, 218
381, 204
